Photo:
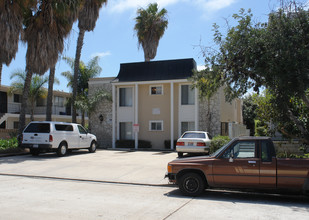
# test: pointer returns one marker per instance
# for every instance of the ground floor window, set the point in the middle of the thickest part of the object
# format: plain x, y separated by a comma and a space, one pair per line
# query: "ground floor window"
187, 126
125, 131
156, 125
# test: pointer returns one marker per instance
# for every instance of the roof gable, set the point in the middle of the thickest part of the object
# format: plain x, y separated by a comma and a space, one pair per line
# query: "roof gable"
156, 70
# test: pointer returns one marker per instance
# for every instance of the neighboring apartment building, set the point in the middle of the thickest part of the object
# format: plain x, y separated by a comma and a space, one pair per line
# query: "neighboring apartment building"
154, 101
10, 108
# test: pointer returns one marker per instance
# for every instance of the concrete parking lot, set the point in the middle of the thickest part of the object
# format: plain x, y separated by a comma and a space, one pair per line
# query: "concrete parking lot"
122, 185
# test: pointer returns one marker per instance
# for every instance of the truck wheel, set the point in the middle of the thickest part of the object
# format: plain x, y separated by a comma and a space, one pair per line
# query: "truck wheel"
180, 154
62, 150
34, 152
191, 184
93, 147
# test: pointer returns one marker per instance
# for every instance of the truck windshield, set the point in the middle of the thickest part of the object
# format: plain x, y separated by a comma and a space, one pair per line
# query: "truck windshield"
38, 128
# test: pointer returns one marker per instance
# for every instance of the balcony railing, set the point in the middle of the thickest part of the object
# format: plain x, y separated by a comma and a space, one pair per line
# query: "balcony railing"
14, 108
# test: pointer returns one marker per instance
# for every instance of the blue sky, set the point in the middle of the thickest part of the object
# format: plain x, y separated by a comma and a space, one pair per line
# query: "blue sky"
114, 40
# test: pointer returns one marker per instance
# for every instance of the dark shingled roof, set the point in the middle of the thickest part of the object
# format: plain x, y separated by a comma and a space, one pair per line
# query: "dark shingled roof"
156, 70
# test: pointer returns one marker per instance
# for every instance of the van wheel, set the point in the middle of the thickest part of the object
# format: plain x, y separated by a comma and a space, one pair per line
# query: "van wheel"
34, 152
62, 150
93, 147
191, 184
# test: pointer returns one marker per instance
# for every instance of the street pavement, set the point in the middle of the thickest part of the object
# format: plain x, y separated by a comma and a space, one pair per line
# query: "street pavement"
122, 185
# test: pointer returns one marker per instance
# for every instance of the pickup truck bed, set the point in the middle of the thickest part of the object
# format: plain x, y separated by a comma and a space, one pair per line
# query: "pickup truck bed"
244, 163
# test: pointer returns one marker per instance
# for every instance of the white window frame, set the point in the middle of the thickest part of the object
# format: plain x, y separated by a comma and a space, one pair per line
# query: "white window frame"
151, 86
156, 121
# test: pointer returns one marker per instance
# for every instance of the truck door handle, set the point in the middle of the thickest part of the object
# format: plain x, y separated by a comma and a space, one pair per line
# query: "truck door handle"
252, 161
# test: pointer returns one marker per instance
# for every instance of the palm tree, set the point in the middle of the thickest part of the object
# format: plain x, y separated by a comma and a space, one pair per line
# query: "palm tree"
46, 26
91, 70
36, 89
11, 21
150, 26
88, 104
87, 19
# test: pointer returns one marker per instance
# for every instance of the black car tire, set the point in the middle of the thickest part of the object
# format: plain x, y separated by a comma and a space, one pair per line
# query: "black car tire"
93, 147
62, 150
180, 154
191, 184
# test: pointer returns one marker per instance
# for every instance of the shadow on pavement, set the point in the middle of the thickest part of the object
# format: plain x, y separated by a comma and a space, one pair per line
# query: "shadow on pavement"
290, 201
40, 157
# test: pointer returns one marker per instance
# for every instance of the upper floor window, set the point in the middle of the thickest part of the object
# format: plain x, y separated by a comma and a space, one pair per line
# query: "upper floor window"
17, 98
41, 102
59, 101
156, 90
187, 95
125, 97
156, 125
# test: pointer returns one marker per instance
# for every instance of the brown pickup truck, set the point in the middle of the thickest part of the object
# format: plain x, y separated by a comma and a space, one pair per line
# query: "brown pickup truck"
243, 163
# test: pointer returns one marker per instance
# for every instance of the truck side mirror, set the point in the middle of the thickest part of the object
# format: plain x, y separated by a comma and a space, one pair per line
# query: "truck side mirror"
231, 160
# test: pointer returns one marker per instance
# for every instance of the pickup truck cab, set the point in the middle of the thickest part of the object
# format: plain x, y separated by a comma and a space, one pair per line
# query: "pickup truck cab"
42, 136
243, 163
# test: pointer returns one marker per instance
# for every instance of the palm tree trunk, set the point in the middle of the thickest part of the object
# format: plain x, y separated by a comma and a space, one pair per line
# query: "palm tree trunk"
79, 46
50, 94
23, 109
83, 119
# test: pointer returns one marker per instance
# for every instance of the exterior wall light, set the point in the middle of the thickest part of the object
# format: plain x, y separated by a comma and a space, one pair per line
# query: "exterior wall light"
101, 118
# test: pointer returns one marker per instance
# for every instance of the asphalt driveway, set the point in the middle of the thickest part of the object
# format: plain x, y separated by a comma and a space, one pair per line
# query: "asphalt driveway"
137, 167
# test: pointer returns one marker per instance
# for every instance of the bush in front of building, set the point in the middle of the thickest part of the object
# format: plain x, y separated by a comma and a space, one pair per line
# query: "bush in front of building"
217, 142
167, 144
131, 144
9, 145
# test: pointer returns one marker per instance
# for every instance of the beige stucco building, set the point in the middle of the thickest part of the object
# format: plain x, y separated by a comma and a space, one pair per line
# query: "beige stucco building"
10, 104
154, 101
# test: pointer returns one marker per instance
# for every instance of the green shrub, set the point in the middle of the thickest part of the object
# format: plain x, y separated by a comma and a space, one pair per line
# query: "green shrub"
167, 144
131, 144
289, 155
217, 142
10, 145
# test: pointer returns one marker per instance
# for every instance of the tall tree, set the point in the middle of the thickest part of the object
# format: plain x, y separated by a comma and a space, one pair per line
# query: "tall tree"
46, 26
87, 19
50, 93
11, 20
150, 27
274, 55
85, 72
36, 89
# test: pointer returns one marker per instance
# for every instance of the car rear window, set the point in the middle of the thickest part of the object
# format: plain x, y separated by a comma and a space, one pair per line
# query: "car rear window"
38, 128
193, 135
63, 127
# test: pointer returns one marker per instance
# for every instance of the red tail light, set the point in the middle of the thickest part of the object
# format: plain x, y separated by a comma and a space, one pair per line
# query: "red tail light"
180, 144
200, 144
50, 138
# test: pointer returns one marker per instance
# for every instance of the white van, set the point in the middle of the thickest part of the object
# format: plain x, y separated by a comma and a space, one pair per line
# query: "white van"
42, 136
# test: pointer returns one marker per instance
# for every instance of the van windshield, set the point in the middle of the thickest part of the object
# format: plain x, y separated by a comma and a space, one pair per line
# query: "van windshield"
38, 128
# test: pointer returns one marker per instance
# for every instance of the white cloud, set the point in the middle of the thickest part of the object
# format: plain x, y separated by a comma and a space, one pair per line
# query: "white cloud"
209, 5
214, 5
102, 54
200, 67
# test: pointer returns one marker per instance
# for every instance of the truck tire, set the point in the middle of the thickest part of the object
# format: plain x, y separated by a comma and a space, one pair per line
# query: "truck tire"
93, 147
191, 184
180, 154
62, 150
